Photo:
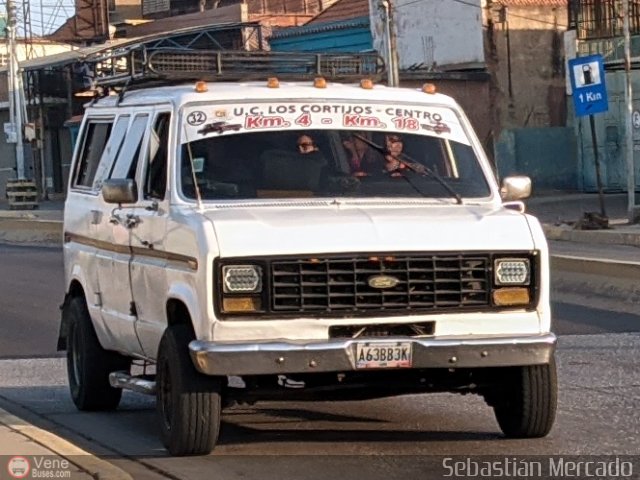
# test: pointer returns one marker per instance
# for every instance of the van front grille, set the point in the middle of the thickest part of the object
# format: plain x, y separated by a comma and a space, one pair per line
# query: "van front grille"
381, 283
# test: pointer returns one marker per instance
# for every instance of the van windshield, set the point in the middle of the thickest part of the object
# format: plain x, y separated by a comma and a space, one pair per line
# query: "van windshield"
328, 163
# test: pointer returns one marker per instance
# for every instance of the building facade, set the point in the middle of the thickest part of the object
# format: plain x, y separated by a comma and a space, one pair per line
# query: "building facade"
595, 28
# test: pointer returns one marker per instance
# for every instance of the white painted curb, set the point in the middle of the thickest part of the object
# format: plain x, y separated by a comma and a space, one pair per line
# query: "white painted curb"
84, 460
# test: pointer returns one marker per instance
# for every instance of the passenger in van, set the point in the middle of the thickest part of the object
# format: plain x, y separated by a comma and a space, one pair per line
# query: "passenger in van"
363, 160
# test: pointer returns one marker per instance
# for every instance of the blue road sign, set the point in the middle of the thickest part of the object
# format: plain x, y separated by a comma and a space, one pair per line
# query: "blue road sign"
588, 85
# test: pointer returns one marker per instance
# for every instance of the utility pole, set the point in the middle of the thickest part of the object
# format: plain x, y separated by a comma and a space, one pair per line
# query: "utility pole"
390, 43
631, 181
15, 86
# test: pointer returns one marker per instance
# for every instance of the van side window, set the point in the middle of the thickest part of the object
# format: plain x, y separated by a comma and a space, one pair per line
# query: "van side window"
127, 161
112, 149
155, 184
95, 140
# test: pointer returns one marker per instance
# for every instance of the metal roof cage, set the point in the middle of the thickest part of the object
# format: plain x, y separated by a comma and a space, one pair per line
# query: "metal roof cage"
138, 65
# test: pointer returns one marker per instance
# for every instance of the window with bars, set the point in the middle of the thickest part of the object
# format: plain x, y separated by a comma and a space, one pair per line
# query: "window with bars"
603, 18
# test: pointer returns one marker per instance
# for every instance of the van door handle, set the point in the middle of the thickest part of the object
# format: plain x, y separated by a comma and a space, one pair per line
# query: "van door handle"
96, 217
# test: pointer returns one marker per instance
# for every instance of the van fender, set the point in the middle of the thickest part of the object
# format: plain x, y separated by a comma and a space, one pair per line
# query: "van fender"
186, 294
76, 277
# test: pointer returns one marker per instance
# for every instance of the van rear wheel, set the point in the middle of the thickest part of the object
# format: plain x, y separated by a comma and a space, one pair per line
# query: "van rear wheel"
188, 403
88, 364
527, 402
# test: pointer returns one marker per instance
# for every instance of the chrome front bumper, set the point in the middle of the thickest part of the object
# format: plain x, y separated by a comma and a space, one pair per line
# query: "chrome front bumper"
263, 358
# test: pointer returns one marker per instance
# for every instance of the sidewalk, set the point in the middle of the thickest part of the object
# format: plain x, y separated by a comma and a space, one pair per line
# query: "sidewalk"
559, 212
41, 226
23, 445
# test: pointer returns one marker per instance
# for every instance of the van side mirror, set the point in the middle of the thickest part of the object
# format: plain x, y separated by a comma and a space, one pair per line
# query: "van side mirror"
120, 190
515, 188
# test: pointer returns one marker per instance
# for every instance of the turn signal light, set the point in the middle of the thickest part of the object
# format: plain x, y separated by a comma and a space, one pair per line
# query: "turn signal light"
366, 83
241, 304
429, 88
201, 87
511, 296
273, 82
320, 82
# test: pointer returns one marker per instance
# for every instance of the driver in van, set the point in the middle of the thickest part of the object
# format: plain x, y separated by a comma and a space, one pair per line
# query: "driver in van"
363, 160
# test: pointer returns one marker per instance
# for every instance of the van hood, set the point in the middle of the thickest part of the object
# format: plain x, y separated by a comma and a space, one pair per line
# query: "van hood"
290, 229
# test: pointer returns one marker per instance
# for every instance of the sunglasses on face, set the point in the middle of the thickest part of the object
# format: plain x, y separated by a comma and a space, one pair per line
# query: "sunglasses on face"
306, 145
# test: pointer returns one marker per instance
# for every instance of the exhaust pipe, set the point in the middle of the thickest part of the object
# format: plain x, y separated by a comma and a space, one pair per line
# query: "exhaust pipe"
128, 382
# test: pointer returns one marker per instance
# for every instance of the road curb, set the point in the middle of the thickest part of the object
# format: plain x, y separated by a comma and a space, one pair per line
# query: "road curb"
596, 266
30, 231
616, 279
92, 465
604, 237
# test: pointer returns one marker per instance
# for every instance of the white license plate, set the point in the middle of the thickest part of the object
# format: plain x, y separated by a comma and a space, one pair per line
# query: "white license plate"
383, 355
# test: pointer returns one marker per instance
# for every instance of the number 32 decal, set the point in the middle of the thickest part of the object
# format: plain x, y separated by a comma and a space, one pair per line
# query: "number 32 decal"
196, 118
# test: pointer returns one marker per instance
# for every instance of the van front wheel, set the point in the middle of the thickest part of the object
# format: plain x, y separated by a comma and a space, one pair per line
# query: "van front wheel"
526, 404
188, 403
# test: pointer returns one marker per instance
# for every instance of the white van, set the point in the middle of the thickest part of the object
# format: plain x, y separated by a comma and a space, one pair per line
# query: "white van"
304, 240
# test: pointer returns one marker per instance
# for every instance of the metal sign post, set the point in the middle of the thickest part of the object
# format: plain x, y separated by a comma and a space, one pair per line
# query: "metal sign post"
15, 97
590, 97
632, 214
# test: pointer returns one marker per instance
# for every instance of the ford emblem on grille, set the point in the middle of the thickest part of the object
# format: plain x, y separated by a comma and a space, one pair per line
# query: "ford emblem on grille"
383, 281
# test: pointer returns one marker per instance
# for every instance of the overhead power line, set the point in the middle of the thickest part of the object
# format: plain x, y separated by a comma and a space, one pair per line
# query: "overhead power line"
43, 18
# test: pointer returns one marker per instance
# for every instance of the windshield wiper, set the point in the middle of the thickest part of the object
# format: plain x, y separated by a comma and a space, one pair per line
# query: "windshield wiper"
415, 166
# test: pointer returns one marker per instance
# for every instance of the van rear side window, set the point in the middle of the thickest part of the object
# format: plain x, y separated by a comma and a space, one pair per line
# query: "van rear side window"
97, 134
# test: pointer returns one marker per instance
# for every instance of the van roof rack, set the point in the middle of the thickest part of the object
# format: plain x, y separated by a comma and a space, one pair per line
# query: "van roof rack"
138, 65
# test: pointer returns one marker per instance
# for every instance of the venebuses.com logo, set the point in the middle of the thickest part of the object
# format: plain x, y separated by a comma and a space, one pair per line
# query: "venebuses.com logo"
18, 467
38, 467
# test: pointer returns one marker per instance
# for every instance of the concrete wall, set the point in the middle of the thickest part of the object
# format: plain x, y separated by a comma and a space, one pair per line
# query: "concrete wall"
473, 97
533, 64
547, 155
126, 10
433, 33
610, 137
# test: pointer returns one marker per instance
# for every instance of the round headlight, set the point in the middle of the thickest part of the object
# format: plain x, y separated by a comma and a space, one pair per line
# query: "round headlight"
242, 278
512, 271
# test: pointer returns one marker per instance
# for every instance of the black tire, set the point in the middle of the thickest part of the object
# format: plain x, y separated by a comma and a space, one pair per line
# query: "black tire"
526, 405
188, 403
88, 364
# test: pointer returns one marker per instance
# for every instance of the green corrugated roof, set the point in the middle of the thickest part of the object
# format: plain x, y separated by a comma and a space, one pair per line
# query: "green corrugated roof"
320, 27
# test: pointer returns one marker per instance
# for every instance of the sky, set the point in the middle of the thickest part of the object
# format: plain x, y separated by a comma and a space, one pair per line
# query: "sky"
46, 15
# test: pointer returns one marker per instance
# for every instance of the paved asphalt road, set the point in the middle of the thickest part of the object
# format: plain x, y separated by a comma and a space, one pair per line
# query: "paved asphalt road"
31, 291
598, 411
